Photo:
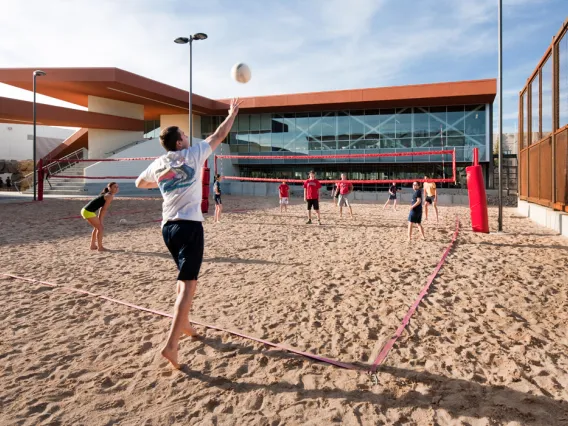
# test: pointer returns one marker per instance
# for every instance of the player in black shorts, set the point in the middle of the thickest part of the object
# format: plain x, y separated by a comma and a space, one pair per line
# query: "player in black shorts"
415, 213
218, 202
392, 196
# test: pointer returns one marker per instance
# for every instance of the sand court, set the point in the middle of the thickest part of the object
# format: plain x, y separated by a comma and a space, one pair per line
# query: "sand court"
488, 343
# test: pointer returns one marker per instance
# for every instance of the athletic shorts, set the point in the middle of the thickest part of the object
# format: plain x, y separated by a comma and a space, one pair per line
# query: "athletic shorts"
218, 199
284, 200
313, 203
344, 200
184, 239
87, 214
392, 197
415, 216
429, 200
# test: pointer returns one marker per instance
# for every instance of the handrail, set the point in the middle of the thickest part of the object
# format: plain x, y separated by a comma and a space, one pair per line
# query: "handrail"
131, 144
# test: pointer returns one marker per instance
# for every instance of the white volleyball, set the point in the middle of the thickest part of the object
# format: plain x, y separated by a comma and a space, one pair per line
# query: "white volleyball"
122, 222
241, 73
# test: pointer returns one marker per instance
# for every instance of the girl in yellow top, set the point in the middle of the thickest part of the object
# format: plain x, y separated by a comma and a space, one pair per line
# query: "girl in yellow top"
431, 197
100, 204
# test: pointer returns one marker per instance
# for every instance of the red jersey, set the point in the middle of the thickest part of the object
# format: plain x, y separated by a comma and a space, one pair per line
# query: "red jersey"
284, 188
312, 189
345, 188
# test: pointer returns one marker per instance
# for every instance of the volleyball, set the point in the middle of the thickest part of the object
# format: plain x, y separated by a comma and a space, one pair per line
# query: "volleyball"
241, 73
122, 222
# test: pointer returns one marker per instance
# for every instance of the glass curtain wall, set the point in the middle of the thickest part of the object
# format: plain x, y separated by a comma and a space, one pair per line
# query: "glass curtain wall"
371, 130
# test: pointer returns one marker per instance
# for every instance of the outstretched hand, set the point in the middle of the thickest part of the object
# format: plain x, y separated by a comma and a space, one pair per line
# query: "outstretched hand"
234, 106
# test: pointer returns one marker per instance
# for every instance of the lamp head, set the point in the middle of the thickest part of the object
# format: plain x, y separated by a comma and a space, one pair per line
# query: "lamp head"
181, 40
199, 36
39, 72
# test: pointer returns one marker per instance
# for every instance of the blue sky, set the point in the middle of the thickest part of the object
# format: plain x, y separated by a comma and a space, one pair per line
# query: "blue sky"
291, 45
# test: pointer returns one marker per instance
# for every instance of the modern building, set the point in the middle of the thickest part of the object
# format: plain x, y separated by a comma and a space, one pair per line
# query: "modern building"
543, 137
125, 109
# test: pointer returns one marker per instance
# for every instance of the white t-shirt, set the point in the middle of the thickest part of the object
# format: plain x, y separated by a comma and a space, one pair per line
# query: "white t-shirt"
179, 174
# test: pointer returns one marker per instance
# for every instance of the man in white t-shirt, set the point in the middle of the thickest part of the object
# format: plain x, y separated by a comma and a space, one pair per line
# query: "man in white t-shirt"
178, 174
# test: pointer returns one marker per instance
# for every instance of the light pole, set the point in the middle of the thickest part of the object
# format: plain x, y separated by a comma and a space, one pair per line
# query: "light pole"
185, 40
36, 74
500, 80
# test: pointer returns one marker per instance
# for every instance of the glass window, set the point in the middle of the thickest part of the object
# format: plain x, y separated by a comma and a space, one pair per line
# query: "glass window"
277, 132
255, 121
525, 102
387, 123
372, 122
289, 121
244, 124
206, 125
265, 122
563, 80
454, 141
329, 130
535, 111
357, 125
302, 132
343, 126
455, 121
421, 122
547, 98
315, 131
403, 123
475, 120
437, 120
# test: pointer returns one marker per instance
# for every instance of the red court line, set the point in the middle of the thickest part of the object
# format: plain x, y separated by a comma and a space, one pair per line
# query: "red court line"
213, 327
388, 346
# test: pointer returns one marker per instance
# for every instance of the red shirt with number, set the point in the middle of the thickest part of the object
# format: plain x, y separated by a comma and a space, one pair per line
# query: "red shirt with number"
284, 190
312, 187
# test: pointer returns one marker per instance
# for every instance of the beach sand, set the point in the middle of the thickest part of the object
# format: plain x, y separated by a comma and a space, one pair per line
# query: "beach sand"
488, 344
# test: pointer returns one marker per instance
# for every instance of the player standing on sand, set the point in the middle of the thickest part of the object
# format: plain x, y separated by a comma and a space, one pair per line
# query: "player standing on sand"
284, 192
392, 196
345, 195
415, 213
311, 196
431, 197
178, 175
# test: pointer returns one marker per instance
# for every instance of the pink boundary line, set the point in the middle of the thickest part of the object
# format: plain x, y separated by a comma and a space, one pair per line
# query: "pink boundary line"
213, 327
390, 343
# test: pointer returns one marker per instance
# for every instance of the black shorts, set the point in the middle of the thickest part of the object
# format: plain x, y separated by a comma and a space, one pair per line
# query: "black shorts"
218, 199
313, 203
429, 200
184, 239
415, 216
392, 197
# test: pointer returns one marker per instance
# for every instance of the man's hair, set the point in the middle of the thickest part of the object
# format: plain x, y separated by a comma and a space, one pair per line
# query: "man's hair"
169, 137
312, 172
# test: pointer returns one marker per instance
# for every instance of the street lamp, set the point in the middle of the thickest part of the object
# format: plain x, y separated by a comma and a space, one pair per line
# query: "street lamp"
36, 74
500, 120
186, 40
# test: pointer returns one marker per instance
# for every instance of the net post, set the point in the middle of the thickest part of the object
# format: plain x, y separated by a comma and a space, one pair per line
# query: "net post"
215, 164
454, 168
40, 176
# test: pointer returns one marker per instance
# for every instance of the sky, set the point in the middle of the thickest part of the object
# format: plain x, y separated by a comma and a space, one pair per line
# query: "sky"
291, 46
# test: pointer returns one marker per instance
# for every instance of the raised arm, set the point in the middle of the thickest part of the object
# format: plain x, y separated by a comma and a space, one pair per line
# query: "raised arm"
223, 130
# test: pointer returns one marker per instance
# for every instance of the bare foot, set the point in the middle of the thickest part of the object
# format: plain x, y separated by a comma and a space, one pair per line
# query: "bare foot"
171, 355
94, 248
188, 330
101, 249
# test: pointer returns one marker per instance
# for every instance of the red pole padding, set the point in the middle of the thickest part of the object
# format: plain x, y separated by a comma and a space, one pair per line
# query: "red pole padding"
40, 175
205, 188
477, 199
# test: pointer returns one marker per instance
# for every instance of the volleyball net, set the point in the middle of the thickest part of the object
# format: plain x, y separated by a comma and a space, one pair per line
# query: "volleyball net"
79, 171
443, 153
